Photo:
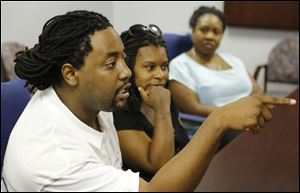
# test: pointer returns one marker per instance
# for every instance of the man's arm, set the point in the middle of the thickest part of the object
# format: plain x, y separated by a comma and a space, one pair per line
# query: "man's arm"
185, 170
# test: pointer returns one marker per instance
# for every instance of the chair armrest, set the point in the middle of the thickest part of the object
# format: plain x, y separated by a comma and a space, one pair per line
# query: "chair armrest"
193, 118
257, 70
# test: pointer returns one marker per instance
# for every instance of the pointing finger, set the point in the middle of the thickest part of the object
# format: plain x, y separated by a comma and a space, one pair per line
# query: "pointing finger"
277, 100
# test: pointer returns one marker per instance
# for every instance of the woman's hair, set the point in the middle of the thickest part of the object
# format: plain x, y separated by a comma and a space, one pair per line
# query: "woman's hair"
207, 10
132, 44
64, 39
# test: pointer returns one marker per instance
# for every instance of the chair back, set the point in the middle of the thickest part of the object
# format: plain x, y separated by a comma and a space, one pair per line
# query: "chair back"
14, 98
177, 44
283, 65
8, 54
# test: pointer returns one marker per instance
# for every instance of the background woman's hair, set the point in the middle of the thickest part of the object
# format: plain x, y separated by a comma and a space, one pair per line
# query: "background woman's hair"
64, 39
207, 10
132, 45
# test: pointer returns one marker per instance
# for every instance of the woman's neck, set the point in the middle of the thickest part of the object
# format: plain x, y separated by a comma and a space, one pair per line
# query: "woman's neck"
200, 57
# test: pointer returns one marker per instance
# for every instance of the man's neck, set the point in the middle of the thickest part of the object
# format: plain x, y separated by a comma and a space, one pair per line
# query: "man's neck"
69, 99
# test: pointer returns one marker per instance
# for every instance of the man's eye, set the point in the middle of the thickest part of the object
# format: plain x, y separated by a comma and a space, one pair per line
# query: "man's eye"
110, 65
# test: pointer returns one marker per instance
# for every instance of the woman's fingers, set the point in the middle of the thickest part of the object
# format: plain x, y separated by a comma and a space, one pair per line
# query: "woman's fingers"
143, 93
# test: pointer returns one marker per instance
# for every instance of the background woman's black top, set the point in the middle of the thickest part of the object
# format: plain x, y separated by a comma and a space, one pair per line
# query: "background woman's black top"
125, 120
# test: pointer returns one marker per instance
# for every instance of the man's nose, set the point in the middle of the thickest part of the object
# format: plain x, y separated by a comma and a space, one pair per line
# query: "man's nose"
125, 72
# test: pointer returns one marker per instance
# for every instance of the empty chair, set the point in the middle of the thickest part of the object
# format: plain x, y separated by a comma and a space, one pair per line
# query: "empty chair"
282, 67
8, 54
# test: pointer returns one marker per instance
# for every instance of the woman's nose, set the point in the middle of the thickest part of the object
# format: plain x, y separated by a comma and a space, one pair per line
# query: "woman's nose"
210, 35
159, 74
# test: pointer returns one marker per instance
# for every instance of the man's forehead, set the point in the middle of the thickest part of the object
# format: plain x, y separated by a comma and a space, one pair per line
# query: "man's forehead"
107, 41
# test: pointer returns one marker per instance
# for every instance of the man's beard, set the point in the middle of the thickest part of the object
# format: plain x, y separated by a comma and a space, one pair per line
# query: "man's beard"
115, 107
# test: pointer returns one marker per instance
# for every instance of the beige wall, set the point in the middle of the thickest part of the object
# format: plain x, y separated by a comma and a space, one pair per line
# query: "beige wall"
23, 21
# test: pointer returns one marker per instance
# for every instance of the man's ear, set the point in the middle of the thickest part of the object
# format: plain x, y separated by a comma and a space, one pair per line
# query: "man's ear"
69, 74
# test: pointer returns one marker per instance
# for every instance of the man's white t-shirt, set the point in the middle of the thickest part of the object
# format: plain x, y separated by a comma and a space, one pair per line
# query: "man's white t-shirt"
50, 149
213, 87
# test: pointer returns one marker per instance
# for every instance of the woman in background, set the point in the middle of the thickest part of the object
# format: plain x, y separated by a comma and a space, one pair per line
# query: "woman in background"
149, 130
203, 79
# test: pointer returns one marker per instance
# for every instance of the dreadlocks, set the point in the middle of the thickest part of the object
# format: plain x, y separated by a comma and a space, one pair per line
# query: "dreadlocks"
64, 39
132, 44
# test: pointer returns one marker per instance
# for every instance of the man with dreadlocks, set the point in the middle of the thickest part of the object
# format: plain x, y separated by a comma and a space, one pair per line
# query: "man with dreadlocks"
65, 139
